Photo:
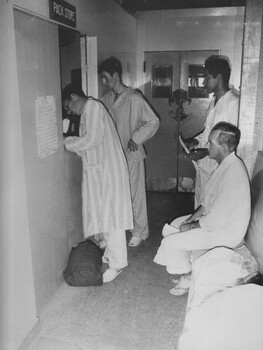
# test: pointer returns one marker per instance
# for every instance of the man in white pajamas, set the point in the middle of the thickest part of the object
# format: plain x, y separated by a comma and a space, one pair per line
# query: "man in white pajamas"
106, 198
222, 217
136, 123
223, 107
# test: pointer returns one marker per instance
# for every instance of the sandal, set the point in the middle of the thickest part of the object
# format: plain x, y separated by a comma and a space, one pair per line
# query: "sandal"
177, 291
135, 241
110, 274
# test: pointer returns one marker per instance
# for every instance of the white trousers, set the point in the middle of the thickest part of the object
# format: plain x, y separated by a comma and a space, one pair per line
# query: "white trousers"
116, 249
177, 250
138, 195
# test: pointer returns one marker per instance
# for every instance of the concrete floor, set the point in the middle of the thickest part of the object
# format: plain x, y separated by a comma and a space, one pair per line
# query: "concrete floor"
133, 312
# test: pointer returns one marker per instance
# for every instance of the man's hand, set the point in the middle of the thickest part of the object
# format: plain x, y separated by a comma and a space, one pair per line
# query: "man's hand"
198, 153
185, 227
132, 146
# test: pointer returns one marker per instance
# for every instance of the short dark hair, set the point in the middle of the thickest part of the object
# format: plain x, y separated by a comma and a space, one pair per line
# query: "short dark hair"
72, 89
229, 134
216, 65
111, 65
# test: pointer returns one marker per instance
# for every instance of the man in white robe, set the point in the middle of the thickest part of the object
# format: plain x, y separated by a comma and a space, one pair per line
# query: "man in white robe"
106, 202
223, 107
136, 123
222, 217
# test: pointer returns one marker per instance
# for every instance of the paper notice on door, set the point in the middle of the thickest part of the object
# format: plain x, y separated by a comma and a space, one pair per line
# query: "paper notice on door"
46, 125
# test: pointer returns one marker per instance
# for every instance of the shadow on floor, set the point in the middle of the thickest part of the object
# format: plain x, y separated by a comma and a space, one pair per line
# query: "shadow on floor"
134, 312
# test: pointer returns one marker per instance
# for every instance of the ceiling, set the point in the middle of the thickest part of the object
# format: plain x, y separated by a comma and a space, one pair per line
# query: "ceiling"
133, 6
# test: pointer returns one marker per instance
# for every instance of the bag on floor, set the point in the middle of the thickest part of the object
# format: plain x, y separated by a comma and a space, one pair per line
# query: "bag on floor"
84, 266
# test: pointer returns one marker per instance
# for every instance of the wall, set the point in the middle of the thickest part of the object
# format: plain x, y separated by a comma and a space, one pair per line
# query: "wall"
193, 29
254, 236
121, 29
18, 310
70, 58
22, 242
252, 121
38, 75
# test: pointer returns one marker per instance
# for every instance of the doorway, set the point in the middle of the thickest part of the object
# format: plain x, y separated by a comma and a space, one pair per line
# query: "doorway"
166, 72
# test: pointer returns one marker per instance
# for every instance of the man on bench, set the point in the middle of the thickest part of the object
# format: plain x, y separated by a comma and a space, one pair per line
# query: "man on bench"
222, 218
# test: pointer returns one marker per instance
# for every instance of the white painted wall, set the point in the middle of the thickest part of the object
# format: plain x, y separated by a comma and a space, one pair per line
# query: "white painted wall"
105, 19
192, 29
18, 310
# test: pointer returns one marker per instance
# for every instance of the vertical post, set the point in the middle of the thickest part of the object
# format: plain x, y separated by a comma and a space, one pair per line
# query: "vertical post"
89, 66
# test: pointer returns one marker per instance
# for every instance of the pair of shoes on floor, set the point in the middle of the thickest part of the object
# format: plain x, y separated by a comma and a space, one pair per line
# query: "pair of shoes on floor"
177, 291
110, 274
168, 229
135, 241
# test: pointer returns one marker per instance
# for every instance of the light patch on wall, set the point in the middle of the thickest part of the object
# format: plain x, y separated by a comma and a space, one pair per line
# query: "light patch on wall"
185, 184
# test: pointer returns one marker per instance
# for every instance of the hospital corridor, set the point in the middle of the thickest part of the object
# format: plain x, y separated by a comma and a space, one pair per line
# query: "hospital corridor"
118, 117
135, 311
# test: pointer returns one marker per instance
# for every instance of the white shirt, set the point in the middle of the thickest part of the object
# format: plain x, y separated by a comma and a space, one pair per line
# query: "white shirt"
134, 119
227, 200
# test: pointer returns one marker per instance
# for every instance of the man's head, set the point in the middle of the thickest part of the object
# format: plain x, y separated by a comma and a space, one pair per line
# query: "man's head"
217, 73
223, 140
111, 72
73, 99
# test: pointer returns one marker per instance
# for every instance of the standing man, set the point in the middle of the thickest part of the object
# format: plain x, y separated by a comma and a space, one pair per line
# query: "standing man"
106, 201
136, 123
222, 217
223, 107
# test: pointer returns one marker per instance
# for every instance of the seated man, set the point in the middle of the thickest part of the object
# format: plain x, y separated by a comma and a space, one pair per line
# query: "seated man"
222, 217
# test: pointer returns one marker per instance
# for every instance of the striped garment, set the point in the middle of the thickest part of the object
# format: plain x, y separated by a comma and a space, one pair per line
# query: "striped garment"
106, 199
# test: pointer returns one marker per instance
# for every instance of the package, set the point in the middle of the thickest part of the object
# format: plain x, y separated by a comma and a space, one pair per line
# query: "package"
84, 266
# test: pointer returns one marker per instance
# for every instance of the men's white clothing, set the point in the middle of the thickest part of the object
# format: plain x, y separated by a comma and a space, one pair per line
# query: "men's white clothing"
106, 198
134, 120
226, 110
224, 222
116, 250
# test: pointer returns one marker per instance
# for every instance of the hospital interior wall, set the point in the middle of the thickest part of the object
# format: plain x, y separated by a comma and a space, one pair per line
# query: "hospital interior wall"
19, 249
37, 53
254, 235
18, 309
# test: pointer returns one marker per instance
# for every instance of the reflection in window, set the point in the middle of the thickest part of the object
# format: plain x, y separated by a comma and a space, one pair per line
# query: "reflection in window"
162, 78
196, 76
